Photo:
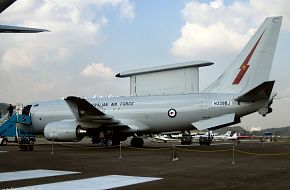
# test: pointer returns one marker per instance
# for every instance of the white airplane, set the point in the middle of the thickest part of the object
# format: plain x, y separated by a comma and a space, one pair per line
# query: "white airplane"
197, 136
225, 136
242, 89
233, 137
166, 138
4, 4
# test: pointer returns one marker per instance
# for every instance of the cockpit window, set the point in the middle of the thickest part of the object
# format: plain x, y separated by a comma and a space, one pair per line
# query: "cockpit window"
35, 105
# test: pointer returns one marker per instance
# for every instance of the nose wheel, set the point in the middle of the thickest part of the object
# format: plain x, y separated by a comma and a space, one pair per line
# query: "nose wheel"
26, 144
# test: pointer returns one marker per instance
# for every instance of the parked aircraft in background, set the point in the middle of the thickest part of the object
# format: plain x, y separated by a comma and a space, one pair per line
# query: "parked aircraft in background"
223, 137
232, 136
242, 89
174, 137
166, 138
197, 136
240, 136
4, 4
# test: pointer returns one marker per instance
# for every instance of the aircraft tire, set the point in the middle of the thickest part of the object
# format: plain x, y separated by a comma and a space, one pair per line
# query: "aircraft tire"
109, 142
116, 138
137, 142
31, 145
186, 140
134, 142
24, 147
20, 146
141, 142
94, 140
26, 144
115, 141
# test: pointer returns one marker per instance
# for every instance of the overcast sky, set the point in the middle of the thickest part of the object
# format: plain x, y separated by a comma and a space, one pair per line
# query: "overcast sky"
92, 40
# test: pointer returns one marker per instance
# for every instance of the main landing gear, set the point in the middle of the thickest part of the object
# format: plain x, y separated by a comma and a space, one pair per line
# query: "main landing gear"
26, 144
205, 140
137, 142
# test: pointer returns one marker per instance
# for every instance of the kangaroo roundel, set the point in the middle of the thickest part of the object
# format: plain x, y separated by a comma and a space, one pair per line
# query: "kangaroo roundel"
172, 113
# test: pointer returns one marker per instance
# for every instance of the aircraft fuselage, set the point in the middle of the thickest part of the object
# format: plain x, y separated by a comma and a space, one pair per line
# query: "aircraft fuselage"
155, 113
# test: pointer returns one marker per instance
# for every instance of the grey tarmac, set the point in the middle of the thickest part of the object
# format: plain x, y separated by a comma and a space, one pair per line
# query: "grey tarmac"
197, 167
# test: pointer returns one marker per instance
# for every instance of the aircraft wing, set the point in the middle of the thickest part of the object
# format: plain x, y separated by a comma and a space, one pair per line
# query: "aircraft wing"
85, 111
216, 122
4, 4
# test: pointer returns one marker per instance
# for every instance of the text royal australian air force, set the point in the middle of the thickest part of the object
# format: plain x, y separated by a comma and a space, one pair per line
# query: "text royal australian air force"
113, 104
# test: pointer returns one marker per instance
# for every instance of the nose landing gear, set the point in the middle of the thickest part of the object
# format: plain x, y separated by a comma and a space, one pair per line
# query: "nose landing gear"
26, 144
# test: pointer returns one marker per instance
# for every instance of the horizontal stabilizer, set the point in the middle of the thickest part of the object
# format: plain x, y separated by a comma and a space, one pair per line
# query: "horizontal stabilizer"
261, 92
19, 29
215, 122
4, 4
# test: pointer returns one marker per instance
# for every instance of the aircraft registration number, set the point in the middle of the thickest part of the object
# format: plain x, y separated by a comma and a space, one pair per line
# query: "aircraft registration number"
222, 103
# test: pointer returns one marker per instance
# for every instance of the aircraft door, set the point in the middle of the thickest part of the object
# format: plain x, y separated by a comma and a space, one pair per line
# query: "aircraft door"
26, 110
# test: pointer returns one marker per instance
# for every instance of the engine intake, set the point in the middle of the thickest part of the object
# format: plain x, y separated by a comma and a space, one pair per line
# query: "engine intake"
64, 131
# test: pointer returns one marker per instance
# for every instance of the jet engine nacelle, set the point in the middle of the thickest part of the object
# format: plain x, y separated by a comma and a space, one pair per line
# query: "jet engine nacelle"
65, 131
264, 111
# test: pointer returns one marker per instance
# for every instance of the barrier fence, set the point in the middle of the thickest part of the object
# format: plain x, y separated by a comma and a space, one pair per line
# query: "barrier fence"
173, 149
263, 154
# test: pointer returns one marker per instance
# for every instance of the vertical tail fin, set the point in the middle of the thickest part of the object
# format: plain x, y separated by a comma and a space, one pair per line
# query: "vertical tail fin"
253, 65
235, 136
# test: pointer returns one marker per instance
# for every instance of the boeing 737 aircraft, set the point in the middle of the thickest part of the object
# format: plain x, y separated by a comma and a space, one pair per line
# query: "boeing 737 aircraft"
242, 89
4, 4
